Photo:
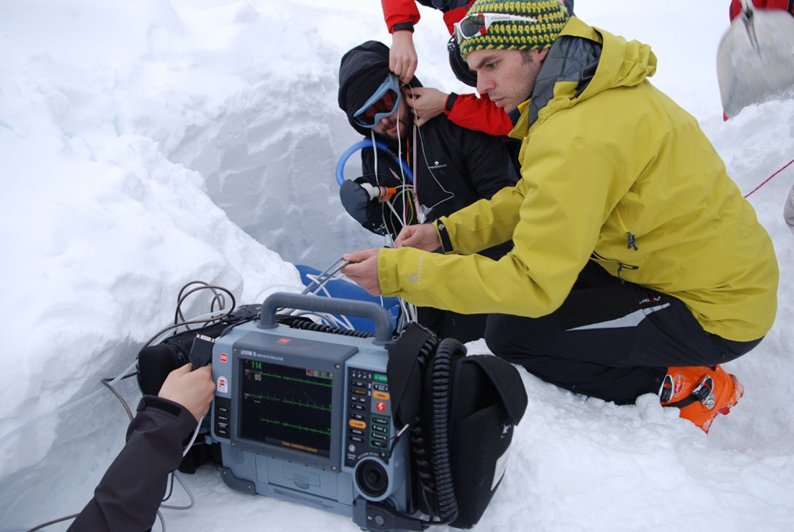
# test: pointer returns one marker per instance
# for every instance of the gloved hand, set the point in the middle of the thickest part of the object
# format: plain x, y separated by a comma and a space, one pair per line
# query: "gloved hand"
355, 200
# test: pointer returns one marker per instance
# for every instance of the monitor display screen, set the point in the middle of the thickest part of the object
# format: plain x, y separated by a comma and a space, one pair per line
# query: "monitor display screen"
285, 406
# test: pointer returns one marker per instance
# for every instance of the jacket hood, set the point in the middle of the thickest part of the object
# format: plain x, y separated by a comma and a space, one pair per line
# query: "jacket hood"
361, 72
583, 62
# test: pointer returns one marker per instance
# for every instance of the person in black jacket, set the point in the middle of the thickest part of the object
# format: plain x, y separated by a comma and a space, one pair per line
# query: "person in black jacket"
129, 494
452, 167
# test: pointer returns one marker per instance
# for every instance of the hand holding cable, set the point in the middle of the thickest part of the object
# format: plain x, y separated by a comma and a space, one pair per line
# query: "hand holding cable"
362, 268
194, 390
426, 103
422, 236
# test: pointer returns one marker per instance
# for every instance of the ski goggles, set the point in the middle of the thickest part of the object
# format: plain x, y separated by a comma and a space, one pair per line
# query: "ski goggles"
477, 24
383, 103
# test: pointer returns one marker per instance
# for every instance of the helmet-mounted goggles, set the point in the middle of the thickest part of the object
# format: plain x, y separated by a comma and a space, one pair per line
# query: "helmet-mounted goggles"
477, 24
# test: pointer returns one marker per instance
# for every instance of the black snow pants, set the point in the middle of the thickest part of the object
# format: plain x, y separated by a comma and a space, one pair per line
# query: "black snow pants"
448, 324
610, 339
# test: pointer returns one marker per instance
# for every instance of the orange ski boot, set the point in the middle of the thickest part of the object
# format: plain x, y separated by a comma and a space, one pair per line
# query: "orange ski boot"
700, 392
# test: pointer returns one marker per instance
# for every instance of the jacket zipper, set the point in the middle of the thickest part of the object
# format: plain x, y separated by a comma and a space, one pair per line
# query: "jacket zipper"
631, 238
621, 265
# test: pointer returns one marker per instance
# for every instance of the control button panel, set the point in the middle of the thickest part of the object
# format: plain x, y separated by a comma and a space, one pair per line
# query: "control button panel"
223, 415
368, 430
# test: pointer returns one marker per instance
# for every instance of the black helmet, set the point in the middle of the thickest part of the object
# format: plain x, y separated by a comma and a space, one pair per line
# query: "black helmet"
459, 67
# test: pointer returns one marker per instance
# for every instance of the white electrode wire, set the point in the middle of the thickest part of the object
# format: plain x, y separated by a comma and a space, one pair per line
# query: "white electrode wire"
407, 193
342, 322
329, 319
401, 218
420, 214
388, 202
449, 195
193, 439
408, 310
322, 291
398, 216
374, 139
123, 401
377, 177
218, 296
121, 375
324, 276
187, 491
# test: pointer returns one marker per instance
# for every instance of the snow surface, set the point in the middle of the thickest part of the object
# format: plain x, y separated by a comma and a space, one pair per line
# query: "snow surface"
148, 144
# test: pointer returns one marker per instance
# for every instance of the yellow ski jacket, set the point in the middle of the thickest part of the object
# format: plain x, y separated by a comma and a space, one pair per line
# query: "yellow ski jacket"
611, 169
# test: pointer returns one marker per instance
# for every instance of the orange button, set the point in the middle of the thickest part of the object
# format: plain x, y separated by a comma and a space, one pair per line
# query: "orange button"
381, 395
357, 424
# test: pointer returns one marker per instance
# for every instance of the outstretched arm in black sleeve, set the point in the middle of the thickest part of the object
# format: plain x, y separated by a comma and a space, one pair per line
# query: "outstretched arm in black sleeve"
129, 495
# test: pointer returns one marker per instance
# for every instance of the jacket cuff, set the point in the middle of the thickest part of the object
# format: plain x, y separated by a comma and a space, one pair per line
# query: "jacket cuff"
450, 102
166, 405
403, 26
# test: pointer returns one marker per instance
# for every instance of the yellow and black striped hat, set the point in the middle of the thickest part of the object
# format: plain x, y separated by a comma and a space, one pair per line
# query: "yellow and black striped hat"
550, 17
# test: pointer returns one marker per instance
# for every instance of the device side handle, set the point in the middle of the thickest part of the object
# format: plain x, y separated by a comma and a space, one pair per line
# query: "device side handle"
364, 309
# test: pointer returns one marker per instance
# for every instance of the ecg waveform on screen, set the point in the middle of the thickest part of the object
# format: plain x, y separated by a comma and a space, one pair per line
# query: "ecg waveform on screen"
324, 432
292, 402
287, 406
261, 375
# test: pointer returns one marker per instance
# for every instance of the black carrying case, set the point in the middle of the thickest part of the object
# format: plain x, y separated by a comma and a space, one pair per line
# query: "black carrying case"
461, 411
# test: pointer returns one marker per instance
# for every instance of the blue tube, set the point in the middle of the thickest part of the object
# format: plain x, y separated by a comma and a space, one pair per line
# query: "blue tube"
367, 143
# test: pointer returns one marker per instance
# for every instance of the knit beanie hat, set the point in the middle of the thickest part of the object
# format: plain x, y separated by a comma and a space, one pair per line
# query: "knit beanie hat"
550, 16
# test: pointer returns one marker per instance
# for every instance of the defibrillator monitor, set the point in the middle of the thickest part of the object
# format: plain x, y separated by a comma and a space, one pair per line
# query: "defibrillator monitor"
286, 407
305, 415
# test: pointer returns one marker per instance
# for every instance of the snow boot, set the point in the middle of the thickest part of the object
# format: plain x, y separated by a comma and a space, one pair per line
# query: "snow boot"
700, 392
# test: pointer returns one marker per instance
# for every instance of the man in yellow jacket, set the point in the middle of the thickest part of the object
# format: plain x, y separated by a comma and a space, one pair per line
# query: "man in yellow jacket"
637, 264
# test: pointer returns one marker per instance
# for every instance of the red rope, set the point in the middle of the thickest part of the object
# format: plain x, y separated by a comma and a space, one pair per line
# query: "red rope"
768, 179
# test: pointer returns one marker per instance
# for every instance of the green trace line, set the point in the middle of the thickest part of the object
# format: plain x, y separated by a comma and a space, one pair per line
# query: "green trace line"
296, 379
313, 406
298, 427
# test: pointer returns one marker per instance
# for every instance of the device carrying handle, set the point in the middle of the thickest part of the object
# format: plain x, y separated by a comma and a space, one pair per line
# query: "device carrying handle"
363, 309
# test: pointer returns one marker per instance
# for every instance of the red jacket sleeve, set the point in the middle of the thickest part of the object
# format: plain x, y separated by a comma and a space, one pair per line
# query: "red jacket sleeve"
454, 15
480, 114
399, 11
734, 9
785, 5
